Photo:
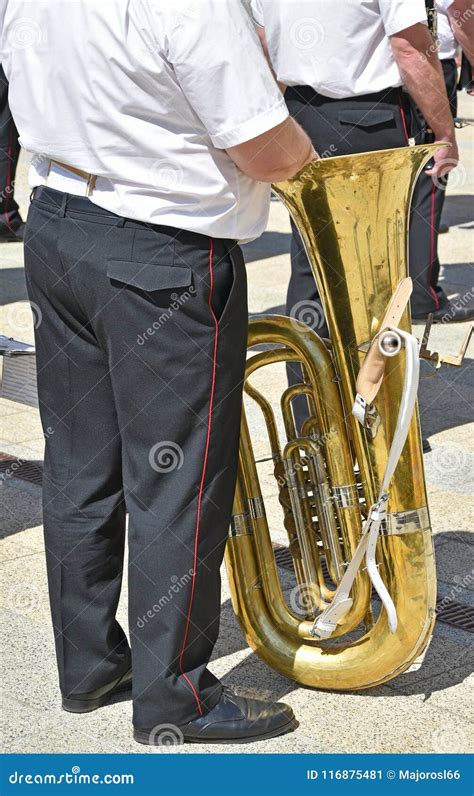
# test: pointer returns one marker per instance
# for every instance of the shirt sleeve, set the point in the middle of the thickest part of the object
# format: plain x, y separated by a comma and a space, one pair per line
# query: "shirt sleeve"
220, 65
400, 14
257, 12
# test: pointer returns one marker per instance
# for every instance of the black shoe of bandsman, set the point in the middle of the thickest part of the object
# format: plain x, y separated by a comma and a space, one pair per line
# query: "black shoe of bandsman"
235, 719
84, 703
450, 312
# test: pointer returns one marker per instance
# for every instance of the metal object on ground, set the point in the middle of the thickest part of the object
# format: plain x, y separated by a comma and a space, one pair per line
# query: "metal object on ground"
25, 470
455, 360
18, 381
352, 213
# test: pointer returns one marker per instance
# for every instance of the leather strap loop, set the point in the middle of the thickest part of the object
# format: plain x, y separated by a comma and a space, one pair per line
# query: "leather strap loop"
372, 370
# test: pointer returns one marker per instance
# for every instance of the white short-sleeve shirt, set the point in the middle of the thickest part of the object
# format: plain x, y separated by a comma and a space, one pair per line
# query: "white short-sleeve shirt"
446, 39
340, 48
147, 95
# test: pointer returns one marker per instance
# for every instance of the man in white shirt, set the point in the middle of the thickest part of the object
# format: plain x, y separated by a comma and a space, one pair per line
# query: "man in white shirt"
155, 142
344, 64
455, 26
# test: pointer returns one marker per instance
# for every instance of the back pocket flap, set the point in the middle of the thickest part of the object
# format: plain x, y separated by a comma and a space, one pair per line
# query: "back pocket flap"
366, 118
149, 276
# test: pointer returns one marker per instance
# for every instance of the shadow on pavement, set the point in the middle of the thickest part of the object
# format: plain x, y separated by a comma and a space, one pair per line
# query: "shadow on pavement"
12, 285
270, 244
457, 210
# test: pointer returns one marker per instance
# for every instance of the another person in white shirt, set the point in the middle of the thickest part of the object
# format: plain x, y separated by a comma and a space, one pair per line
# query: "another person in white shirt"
455, 26
344, 65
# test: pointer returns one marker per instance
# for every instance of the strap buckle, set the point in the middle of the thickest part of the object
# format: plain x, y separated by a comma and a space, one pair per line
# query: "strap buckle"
367, 415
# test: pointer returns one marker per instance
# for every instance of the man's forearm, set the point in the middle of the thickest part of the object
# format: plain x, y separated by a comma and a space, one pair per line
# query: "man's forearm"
461, 17
422, 76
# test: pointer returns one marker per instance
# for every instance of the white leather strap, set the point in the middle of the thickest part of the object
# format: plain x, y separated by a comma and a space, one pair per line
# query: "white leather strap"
326, 622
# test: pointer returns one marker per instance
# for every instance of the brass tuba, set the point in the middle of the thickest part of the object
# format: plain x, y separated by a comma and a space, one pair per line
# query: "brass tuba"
352, 213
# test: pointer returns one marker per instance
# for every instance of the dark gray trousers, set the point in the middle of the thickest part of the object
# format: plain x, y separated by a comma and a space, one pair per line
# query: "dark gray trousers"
427, 207
336, 127
141, 341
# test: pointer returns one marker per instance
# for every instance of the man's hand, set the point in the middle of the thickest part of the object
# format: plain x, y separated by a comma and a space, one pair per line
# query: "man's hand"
420, 69
445, 160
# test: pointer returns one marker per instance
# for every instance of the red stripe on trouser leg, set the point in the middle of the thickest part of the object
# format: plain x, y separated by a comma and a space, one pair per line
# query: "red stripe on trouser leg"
404, 122
201, 485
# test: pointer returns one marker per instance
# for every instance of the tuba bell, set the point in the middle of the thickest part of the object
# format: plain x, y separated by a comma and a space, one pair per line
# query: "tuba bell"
336, 478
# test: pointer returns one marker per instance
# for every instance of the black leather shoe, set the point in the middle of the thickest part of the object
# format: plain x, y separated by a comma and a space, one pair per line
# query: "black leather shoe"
15, 236
234, 719
451, 312
84, 703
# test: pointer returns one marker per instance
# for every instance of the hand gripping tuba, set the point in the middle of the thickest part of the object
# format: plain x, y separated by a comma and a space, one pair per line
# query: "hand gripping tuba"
352, 213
